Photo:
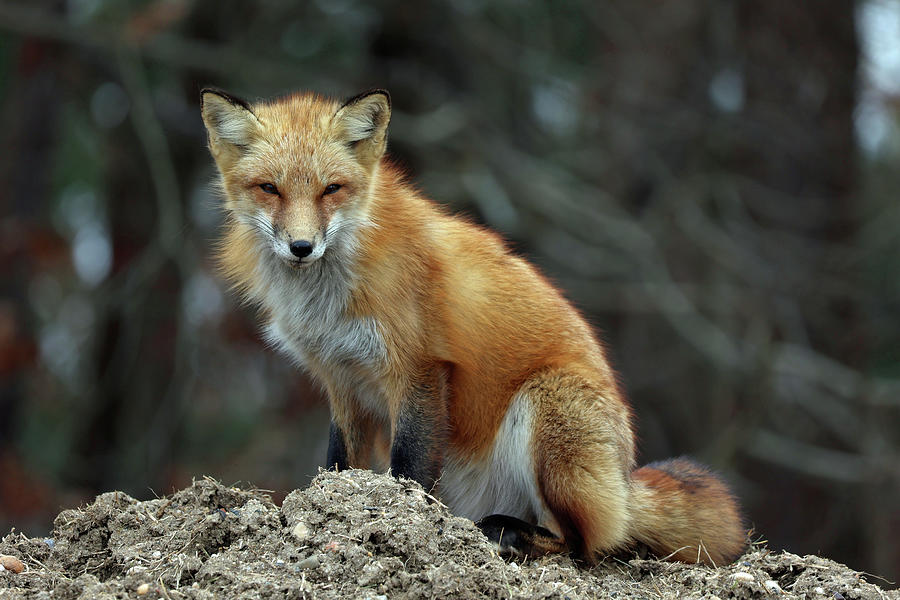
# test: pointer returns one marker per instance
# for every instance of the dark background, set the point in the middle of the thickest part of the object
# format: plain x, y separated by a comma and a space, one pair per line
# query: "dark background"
712, 182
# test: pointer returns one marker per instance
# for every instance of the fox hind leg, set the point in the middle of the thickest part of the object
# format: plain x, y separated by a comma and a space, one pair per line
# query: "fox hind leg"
579, 451
583, 458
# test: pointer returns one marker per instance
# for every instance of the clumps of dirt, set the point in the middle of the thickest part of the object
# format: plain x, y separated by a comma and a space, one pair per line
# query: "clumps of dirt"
354, 534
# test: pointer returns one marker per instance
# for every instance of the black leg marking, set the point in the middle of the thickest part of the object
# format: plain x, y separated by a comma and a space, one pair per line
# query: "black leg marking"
337, 449
414, 452
418, 445
515, 537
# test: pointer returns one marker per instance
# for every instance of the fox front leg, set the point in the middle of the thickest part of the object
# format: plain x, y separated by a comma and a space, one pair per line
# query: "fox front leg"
350, 443
351, 433
337, 449
420, 429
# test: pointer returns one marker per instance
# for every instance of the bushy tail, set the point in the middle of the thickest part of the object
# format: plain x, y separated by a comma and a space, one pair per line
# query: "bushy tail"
682, 511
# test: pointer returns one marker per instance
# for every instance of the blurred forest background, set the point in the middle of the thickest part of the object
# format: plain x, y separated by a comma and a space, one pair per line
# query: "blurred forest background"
713, 182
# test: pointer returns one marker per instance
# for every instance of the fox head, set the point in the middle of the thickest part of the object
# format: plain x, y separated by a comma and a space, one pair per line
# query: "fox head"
296, 171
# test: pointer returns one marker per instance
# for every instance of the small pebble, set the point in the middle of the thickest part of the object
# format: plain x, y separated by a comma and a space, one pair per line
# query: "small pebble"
838, 596
156, 554
143, 589
308, 563
742, 576
11, 563
300, 531
772, 587
819, 590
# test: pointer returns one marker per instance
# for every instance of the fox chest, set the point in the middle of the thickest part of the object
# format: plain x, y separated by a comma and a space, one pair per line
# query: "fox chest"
337, 343
349, 352
310, 323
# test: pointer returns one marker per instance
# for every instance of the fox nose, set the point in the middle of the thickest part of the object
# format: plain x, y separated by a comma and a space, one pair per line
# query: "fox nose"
301, 248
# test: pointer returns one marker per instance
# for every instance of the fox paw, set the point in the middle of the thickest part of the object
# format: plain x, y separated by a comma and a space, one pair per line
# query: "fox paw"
515, 538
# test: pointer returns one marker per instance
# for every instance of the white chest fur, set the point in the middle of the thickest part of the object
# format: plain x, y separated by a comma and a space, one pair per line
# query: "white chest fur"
335, 344
309, 322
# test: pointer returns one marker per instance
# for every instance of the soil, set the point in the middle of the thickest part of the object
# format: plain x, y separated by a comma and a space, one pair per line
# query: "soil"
355, 534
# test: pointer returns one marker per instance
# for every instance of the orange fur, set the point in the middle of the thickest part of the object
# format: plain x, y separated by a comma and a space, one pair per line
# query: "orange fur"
415, 299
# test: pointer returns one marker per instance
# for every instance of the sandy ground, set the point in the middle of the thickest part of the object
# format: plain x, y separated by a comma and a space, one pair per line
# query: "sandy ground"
354, 535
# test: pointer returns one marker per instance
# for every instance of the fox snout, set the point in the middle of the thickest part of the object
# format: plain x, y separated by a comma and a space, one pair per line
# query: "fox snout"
301, 248
298, 250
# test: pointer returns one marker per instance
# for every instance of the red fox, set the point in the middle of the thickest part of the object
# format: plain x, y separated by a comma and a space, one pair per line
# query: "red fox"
496, 392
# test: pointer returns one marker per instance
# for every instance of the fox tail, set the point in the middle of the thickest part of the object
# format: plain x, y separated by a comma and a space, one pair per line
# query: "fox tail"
682, 511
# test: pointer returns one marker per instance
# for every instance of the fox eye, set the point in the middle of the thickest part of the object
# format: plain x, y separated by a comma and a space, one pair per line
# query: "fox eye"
330, 189
268, 188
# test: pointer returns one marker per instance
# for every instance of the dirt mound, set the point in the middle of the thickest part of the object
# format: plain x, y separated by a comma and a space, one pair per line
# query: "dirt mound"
353, 535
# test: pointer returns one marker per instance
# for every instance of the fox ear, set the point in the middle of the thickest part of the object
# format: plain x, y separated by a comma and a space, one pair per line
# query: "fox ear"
362, 123
230, 122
